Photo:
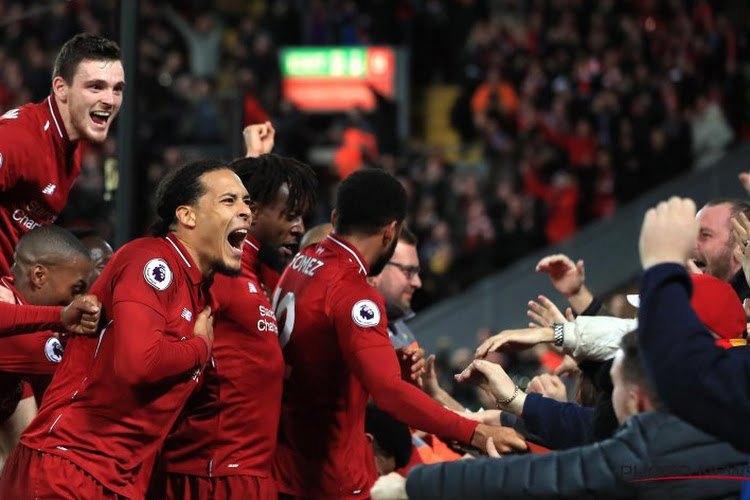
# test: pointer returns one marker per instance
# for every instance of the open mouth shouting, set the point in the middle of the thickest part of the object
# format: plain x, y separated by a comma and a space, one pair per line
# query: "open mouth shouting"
100, 118
235, 240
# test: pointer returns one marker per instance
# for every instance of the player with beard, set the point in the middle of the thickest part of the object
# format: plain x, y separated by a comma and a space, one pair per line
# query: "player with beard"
39, 143
114, 398
338, 354
224, 442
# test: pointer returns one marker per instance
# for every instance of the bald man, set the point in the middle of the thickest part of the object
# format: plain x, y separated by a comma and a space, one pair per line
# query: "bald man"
315, 235
100, 252
52, 268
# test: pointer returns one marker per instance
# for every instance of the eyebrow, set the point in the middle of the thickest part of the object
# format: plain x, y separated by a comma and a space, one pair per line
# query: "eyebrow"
102, 82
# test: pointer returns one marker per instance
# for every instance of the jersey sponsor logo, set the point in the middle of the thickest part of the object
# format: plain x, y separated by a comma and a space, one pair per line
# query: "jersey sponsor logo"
53, 349
33, 215
10, 115
305, 264
366, 314
267, 321
157, 274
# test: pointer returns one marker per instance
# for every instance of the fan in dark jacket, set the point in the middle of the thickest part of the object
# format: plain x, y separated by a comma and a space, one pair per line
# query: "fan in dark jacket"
649, 447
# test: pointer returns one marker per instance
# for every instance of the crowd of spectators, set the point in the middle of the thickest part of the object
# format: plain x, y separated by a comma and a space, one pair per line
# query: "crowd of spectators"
578, 105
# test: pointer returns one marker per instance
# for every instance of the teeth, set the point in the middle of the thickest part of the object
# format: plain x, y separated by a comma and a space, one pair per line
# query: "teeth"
101, 114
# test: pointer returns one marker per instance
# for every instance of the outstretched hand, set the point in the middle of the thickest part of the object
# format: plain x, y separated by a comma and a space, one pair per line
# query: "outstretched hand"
515, 340
566, 276
545, 312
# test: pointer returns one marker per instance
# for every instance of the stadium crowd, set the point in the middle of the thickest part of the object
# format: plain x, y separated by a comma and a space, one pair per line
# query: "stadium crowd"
570, 101
140, 377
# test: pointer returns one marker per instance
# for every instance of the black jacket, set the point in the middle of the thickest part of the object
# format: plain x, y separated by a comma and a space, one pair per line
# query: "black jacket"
649, 445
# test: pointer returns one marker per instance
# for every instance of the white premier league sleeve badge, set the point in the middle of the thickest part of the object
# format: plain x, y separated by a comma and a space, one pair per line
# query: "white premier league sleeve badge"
365, 313
158, 274
53, 349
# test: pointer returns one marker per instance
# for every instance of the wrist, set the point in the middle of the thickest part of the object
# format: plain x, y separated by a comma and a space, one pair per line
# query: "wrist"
207, 342
513, 403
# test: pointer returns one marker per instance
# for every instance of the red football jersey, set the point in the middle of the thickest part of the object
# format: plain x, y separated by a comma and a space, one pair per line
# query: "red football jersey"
230, 426
36, 353
337, 354
24, 356
114, 398
38, 167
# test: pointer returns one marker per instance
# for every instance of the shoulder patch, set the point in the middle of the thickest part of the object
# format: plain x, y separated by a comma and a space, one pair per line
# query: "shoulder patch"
365, 313
157, 273
53, 349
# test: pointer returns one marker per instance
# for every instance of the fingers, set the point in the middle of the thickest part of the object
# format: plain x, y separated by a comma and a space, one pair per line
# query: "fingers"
507, 440
580, 267
569, 314
485, 347
88, 304
556, 260
430, 365
491, 449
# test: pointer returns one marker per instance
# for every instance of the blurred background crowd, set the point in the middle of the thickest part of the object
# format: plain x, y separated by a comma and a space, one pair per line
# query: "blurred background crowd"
528, 118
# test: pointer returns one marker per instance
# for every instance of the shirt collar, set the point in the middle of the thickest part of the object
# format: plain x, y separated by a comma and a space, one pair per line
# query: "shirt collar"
344, 245
57, 125
250, 252
184, 259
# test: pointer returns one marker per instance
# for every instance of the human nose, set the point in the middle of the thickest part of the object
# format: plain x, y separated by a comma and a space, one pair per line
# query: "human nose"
416, 281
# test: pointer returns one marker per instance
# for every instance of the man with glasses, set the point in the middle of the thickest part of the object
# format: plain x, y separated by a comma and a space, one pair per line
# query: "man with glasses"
397, 283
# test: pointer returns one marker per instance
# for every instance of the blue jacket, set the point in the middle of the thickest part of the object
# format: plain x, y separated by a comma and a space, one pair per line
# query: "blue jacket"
700, 382
648, 447
559, 425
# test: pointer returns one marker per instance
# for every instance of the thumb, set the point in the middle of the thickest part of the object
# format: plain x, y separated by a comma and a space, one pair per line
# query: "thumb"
569, 314
738, 254
579, 266
491, 448
431, 362
482, 366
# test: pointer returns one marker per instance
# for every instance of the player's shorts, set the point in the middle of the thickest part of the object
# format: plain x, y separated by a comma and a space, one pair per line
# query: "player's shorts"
31, 475
189, 487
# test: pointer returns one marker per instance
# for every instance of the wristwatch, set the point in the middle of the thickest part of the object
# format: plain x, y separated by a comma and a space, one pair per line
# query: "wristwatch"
558, 330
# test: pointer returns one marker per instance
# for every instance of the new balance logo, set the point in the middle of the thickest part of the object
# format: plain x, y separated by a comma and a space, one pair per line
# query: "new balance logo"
11, 115
49, 190
186, 314
252, 288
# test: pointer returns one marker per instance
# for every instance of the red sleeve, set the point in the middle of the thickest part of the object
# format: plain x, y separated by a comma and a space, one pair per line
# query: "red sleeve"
360, 325
16, 319
144, 355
